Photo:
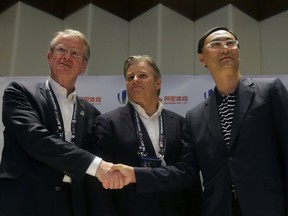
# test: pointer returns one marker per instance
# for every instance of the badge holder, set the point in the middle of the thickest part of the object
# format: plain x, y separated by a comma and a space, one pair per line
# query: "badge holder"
149, 161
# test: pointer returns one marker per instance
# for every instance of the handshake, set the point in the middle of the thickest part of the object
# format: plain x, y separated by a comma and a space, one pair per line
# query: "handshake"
115, 176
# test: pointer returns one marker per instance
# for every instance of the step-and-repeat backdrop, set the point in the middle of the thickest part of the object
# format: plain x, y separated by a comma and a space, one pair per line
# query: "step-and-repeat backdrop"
179, 93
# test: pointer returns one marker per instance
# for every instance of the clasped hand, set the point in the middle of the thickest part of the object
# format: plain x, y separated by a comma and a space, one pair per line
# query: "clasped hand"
115, 176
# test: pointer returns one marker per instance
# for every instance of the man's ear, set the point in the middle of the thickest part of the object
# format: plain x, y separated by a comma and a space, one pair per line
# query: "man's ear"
84, 66
158, 83
49, 54
201, 59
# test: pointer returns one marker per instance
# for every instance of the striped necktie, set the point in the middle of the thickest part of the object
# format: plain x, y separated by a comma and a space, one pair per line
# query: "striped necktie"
226, 110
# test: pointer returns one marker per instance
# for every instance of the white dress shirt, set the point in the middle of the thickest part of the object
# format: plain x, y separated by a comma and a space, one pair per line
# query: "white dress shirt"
151, 124
66, 104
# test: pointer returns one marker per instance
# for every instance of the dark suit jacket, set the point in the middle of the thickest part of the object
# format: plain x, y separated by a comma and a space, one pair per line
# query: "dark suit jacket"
118, 143
257, 161
34, 159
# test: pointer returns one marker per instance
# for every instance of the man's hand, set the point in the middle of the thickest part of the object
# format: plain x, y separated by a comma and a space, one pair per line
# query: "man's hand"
127, 171
110, 179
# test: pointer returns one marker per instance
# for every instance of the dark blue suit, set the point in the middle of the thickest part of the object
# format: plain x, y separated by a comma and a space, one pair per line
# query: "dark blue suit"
118, 143
257, 161
34, 159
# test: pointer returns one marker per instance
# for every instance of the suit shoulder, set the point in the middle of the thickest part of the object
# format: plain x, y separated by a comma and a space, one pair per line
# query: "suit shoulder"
88, 106
172, 114
24, 85
31, 88
266, 83
199, 107
114, 113
262, 80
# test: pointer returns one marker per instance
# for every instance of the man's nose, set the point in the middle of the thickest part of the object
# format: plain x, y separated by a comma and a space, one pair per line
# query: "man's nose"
68, 54
225, 48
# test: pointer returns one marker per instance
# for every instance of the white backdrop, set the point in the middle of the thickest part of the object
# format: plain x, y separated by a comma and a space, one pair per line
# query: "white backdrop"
179, 93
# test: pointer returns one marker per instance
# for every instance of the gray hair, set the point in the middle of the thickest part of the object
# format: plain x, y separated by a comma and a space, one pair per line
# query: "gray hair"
73, 33
142, 58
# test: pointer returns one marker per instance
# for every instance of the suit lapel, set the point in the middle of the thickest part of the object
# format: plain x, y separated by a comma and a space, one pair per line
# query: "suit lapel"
45, 94
128, 117
211, 117
48, 104
244, 97
168, 131
80, 121
80, 115
43, 91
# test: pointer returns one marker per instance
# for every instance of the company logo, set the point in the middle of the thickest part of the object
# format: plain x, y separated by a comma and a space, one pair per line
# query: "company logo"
176, 99
122, 97
208, 93
93, 100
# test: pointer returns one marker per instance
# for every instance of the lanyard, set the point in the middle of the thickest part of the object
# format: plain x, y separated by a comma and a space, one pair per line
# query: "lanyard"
142, 150
57, 112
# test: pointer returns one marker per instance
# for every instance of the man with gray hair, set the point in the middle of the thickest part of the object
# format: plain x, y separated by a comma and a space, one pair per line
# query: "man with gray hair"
47, 129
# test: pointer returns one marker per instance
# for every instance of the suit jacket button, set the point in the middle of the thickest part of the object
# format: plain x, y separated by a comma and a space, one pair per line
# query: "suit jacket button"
57, 188
230, 158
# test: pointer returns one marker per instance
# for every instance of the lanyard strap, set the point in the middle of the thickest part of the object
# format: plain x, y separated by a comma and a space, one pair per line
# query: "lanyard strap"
57, 113
142, 150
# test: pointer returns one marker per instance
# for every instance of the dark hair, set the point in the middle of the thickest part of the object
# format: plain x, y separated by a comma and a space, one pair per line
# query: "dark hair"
210, 31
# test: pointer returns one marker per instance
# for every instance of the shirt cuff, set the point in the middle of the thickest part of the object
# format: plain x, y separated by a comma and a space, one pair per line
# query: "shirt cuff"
94, 166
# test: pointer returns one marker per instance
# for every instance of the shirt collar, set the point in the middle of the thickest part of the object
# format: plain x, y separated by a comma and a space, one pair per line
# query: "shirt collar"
60, 92
220, 98
142, 112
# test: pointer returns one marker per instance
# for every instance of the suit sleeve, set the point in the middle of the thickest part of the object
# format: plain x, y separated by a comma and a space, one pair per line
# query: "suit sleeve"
180, 175
101, 200
25, 119
279, 97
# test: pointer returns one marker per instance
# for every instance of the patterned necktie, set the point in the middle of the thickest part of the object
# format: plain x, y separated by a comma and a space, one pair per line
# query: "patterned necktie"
226, 110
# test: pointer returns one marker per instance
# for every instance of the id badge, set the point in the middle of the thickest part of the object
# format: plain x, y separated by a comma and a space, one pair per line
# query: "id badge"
148, 161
